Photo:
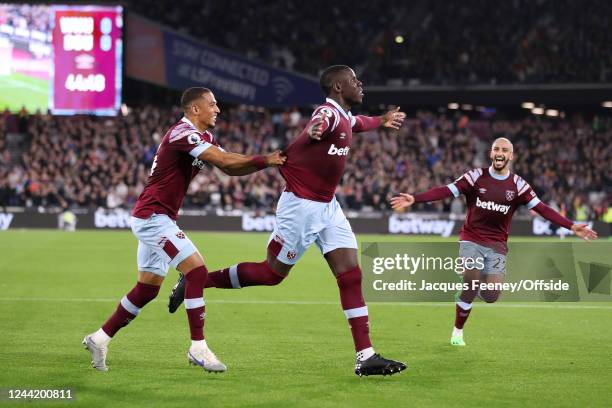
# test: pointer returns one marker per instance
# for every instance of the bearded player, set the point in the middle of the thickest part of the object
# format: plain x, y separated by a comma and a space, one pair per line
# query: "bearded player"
182, 153
492, 195
308, 212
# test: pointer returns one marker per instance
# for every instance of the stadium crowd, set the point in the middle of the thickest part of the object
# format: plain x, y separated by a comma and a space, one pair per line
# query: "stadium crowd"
92, 162
472, 41
519, 41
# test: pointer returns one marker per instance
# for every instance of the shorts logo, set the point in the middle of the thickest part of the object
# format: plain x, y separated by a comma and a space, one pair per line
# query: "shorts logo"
180, 235
291, 254
162, 241
509, 195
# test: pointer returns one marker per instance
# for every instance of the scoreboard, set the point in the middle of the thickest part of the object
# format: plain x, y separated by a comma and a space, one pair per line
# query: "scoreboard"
67, 59
87, 49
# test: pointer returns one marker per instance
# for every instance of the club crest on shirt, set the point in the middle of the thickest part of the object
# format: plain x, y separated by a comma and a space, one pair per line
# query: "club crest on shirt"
509, 195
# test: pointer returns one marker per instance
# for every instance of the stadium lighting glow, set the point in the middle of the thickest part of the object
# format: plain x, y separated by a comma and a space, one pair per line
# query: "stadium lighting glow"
537, 111
467, 107
453, 105
528, 105
552, 112
607, 104
399, 39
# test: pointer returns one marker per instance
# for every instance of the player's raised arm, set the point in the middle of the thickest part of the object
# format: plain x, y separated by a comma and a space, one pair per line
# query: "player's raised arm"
406, 200
235, 164
581, 230
392, 119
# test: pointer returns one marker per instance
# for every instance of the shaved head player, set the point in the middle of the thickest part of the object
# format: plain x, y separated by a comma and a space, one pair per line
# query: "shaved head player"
492, 195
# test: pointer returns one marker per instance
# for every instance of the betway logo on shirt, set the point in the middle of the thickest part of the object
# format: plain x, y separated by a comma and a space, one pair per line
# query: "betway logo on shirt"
338, 151
493, 206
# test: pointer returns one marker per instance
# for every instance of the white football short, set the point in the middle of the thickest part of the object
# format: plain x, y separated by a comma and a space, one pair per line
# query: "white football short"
301, 222
160, 243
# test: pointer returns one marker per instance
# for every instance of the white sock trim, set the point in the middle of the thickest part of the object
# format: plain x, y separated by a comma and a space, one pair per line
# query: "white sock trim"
194, 303
200, 344
129, 306
356, 312
457, 332
100, 337
464, 305
233, 274
365, 353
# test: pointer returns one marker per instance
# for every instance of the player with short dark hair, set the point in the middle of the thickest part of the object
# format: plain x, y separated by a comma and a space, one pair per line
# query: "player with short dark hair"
492, 195
182, 153
308, 212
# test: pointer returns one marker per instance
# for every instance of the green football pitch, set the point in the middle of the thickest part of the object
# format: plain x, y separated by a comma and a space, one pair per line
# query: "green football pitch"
20, 90
284, 346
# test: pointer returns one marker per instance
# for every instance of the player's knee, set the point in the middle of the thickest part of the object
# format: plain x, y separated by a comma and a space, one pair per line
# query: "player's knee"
274, 277
351, 277
489, 296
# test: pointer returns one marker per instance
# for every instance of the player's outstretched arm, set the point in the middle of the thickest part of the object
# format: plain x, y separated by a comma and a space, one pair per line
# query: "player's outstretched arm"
581, 230
235, 164
392, 119
406, 200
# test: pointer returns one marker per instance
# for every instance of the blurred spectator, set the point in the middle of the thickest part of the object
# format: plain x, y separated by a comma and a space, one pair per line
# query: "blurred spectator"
441, 42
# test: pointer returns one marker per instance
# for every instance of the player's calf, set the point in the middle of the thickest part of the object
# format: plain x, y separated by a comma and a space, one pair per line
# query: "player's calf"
235, 277
127, 310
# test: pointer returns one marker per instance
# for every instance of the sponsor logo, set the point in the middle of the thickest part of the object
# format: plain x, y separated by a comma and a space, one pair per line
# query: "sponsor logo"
180, 235
5, 221
112, 219
492, 206
482, 190
509, 195
265, 223
291, 255
338, 151
399, 225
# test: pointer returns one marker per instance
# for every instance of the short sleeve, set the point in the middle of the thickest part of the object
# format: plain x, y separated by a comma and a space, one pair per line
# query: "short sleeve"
525, 194
330, 117
185, 138
466, 183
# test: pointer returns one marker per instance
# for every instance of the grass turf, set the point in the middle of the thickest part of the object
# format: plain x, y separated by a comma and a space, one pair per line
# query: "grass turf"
284, 346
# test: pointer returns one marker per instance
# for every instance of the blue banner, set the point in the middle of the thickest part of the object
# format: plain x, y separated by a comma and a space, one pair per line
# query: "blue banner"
233, 78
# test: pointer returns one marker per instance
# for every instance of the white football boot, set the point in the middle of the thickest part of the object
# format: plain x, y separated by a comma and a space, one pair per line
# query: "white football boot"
98, 353
205, 358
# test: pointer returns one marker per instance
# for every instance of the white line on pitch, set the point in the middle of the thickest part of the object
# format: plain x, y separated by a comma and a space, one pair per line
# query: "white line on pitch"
323, 302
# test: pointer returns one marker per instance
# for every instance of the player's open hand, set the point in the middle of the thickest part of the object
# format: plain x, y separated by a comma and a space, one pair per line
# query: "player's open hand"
276, 158
316, 130
402, 201
583, 231
393, 119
